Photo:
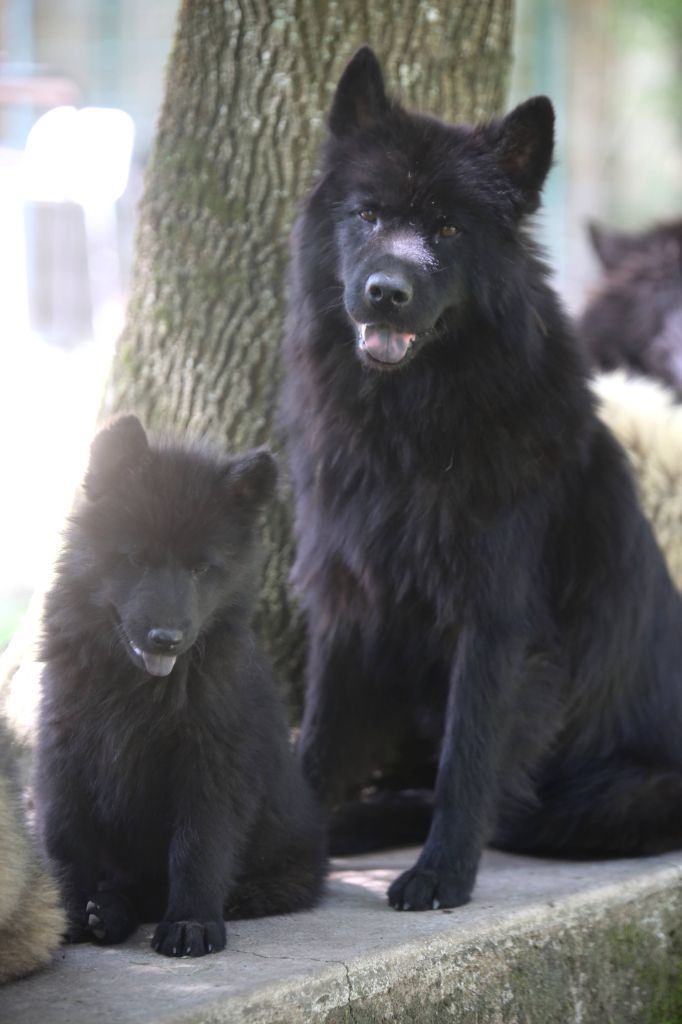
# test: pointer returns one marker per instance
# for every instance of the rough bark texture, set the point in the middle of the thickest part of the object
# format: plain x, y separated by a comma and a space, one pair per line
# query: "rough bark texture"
247, 88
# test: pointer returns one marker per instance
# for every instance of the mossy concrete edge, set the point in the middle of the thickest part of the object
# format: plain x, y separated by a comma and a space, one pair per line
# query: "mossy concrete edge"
613, 956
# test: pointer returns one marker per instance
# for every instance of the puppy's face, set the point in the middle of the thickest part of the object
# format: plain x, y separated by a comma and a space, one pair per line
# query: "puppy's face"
167, 539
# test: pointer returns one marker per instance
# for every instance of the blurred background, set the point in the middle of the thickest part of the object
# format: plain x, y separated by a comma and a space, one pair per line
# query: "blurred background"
80, 87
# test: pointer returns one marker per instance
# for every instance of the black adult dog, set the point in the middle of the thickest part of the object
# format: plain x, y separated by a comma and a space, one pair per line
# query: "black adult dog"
165, 786
481, 586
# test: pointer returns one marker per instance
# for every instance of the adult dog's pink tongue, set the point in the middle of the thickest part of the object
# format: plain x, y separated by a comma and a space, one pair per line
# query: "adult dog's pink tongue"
385, 344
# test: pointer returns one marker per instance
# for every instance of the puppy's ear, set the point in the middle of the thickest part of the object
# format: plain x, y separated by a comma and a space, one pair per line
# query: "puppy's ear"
360, 98
523, 143
119, 447
251, 478
611, 247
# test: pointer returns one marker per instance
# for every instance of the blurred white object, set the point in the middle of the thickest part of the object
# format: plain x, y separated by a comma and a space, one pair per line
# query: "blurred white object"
49, 396
83, 156
79, 156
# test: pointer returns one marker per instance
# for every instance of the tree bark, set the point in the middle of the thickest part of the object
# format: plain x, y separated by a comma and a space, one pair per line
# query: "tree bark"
248, 85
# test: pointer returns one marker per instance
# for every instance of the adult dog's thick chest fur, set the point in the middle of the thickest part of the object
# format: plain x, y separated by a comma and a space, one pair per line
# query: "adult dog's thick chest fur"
479, 581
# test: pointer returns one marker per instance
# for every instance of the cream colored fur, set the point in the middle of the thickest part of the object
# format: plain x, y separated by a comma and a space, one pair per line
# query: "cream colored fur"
31, 918
643, 416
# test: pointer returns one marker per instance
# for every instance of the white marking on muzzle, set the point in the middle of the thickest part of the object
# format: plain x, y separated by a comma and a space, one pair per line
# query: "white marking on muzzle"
411, 247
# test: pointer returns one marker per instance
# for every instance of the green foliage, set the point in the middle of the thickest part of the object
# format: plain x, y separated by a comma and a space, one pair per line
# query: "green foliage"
11, 612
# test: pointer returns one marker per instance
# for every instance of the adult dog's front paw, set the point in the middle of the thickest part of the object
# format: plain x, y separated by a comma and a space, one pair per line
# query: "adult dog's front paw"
110, 917
426, 889
189, 938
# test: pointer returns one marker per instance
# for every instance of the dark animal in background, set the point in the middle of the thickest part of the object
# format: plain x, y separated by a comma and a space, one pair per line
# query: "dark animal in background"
487, 607
165, 785
633, 320
31, 918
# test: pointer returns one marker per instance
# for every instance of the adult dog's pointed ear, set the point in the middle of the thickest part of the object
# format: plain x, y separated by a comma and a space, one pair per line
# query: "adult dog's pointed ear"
523, 144
360, 98
251, 478
119, 447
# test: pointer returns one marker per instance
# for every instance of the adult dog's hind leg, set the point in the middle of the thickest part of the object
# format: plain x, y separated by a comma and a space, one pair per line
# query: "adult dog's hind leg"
345, 723
608, 808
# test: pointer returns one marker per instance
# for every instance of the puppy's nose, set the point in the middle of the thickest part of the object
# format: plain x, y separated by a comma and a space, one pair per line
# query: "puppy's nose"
165, 639
382, 289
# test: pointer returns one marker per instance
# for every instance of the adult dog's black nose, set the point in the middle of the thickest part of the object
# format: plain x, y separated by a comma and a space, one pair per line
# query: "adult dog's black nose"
165, 639
382, 289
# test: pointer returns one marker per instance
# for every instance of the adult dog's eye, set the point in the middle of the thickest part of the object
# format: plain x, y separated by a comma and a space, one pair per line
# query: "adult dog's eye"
448, 231
369, 216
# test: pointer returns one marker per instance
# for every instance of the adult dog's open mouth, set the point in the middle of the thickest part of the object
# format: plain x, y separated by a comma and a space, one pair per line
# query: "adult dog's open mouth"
384, 344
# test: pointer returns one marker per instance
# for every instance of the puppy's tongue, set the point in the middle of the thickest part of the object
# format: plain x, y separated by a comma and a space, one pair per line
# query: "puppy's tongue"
384, 343
158, 664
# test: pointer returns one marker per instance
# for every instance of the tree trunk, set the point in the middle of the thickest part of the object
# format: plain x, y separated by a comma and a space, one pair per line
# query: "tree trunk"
247, 89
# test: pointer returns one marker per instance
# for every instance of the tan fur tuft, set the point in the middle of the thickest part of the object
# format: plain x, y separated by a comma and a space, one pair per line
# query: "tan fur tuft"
31, 918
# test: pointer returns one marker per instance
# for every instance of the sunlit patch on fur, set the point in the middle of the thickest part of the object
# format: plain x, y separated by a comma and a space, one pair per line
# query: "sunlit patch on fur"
409, 246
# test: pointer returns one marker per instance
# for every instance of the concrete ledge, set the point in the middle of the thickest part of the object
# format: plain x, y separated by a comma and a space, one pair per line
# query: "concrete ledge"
542, 942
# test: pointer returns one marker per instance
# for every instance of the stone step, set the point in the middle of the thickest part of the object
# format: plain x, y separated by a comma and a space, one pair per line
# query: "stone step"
542, 942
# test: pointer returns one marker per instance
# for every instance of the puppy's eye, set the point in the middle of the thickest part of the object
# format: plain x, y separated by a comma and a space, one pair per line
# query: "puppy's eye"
369, 216
200, 568
448, 231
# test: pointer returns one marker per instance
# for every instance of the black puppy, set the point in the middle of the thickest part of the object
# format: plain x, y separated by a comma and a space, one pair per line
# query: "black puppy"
165, 787
486, 604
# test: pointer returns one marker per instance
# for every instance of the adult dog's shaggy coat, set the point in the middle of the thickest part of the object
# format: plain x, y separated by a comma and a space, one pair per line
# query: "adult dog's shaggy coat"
487, 605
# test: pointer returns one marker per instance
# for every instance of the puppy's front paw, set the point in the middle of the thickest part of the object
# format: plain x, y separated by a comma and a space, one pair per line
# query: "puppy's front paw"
189, 938
110, 917
426, 889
